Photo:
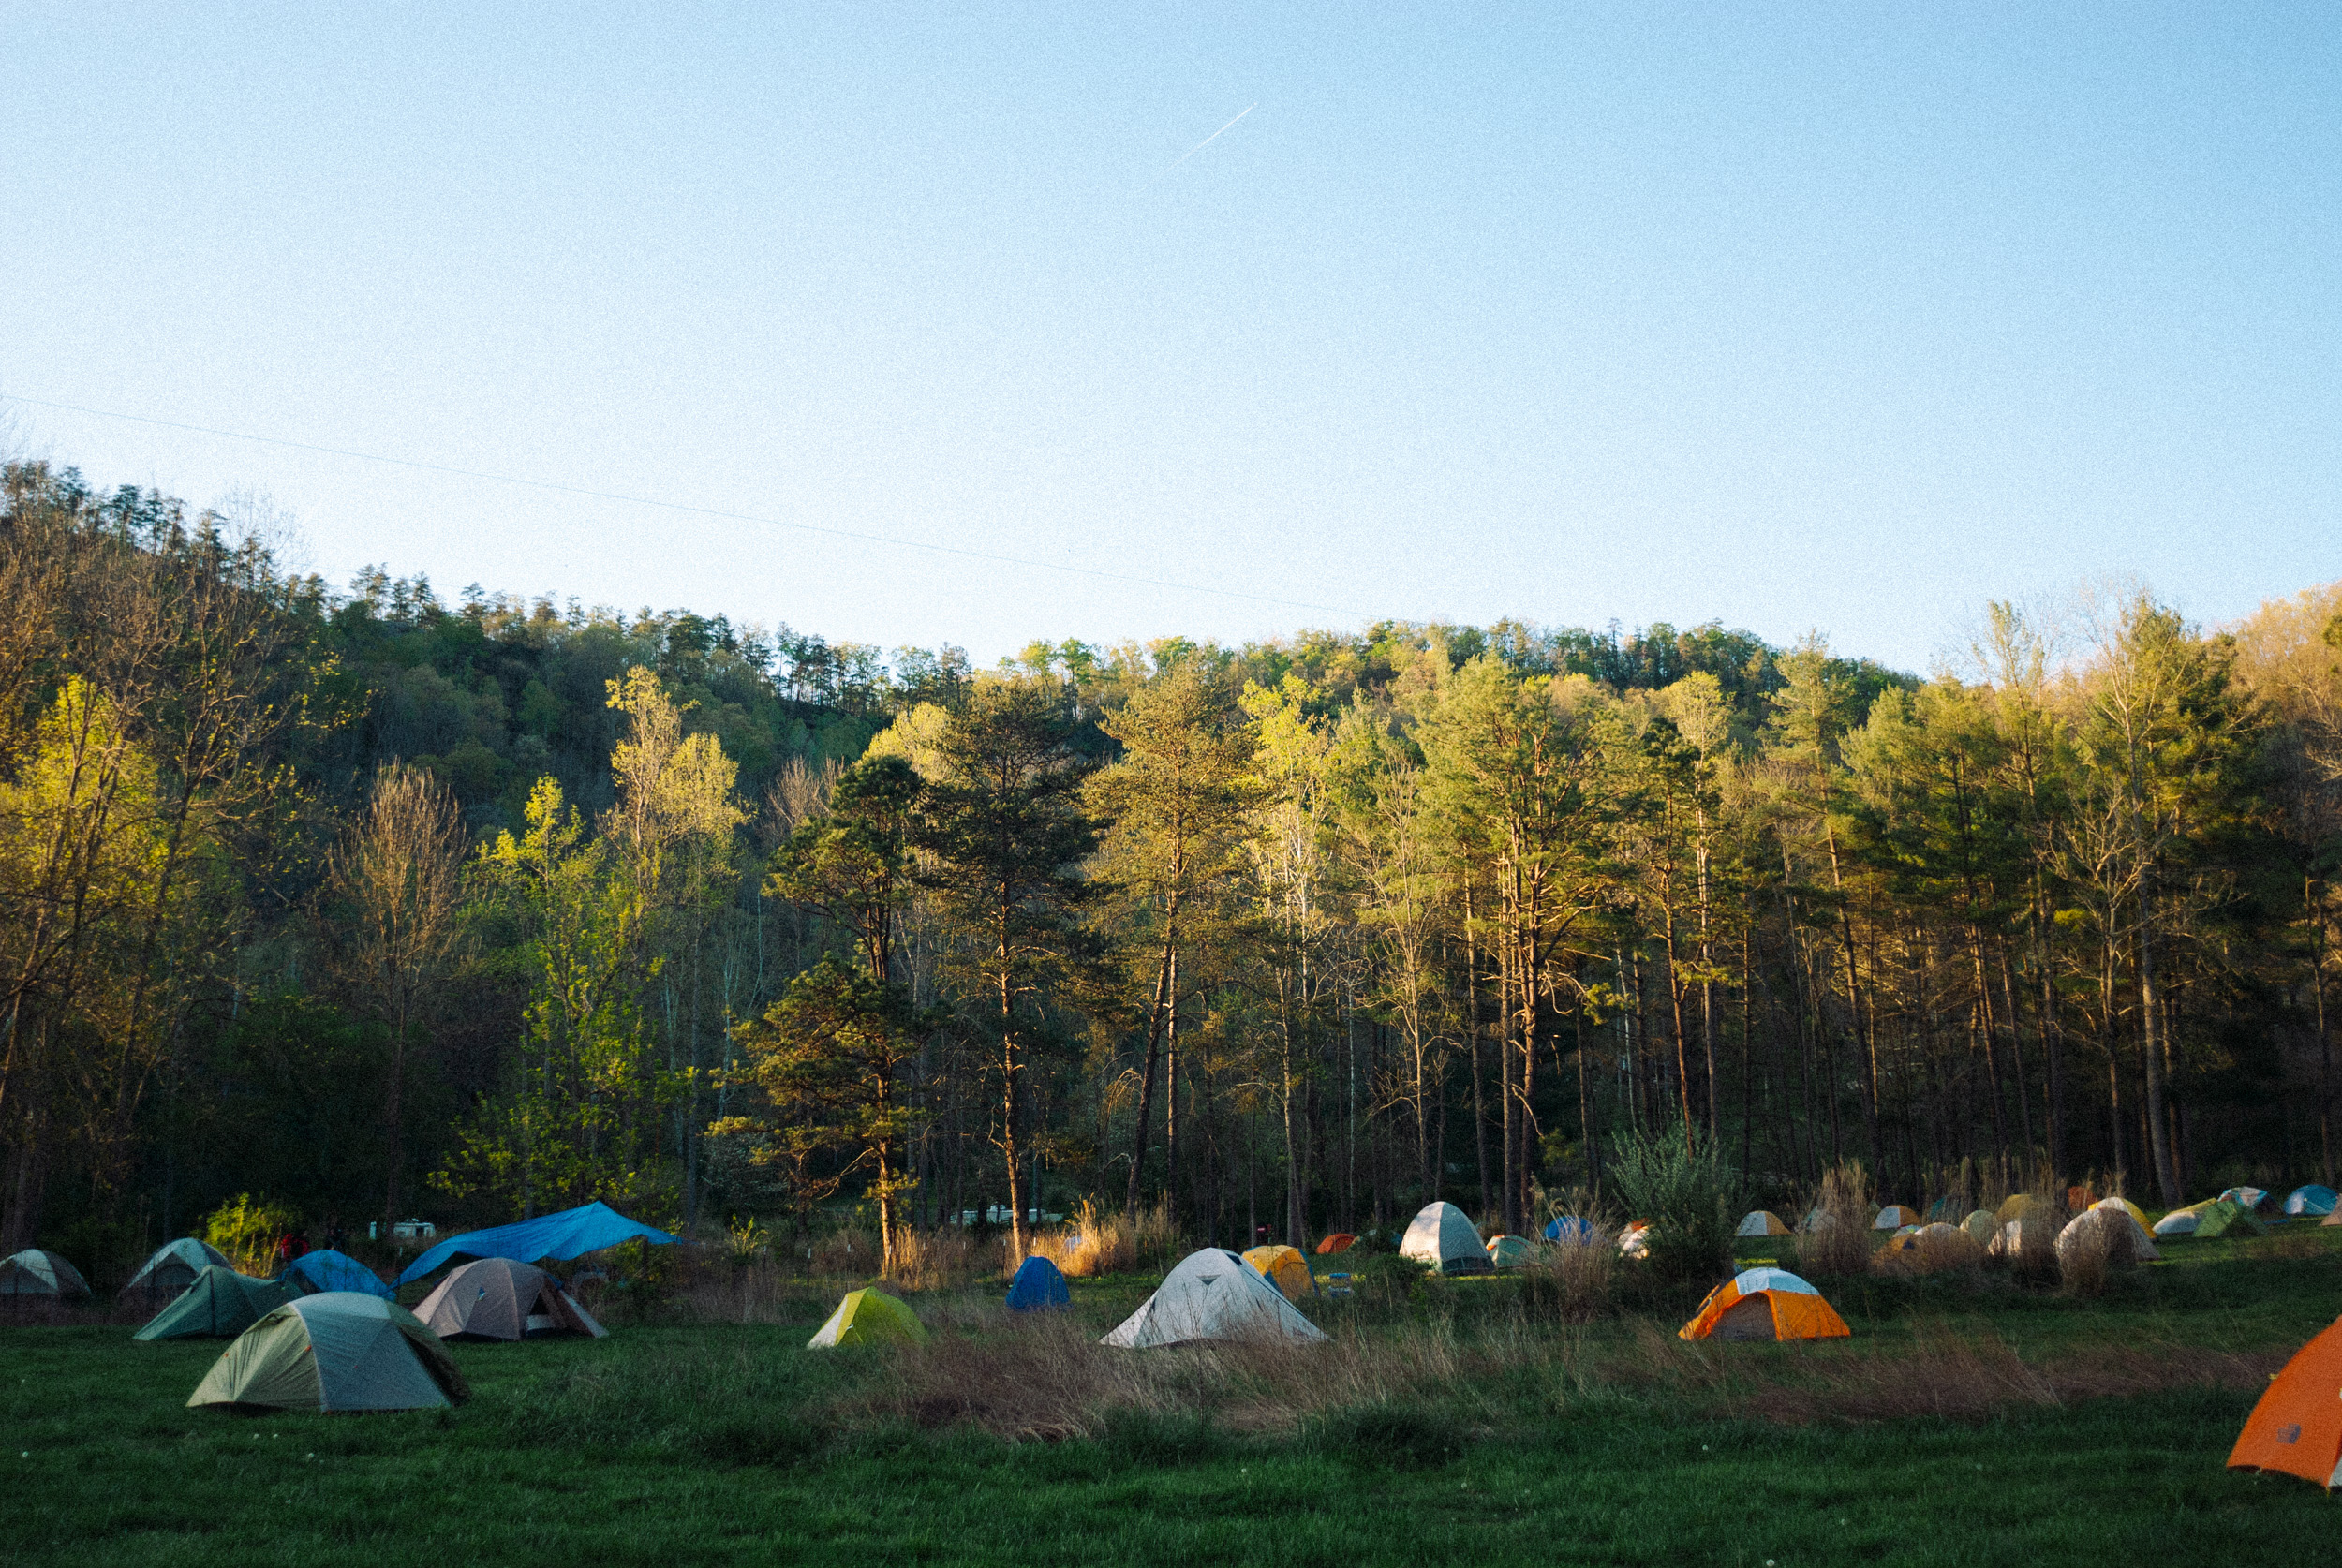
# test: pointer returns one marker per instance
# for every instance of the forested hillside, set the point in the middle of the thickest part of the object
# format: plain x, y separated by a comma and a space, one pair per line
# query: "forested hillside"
372, 904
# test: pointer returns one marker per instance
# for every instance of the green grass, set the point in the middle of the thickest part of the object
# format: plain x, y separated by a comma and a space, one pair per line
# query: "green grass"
682, 1444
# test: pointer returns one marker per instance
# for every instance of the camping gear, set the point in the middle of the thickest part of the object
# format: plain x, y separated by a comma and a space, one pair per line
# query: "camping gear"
2312, 1199
33, 1272
335, 1350
1894, 1216
1981, 1225
1635, 1240
2127, 1240
1510, 1251
497, 1298
173, 1266
1765, 1304
1762, 1221
2016, 1205
314, 1272
219, 1305
1213, 1295
1441, 1238
2246, 1198
1568, 1227
1341, 1241
1285, 1268
2124, 1206
868, 1317
2297, 1425
1038, 1287
571, 1233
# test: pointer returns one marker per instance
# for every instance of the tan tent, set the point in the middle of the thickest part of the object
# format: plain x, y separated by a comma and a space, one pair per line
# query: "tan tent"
338, 1350
497, 1298
2126, 1240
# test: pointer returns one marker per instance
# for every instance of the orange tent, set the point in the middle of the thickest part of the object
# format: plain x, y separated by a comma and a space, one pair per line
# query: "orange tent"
1341, 1241
2297, 1425
1765, 1304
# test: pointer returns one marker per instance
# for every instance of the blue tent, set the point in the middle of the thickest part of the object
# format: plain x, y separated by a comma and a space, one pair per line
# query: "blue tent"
313, 1272
571, 1233
1037, 1288
1568, 1227
2312, 1199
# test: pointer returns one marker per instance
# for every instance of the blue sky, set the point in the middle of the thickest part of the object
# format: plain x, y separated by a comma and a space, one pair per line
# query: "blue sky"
1797, 318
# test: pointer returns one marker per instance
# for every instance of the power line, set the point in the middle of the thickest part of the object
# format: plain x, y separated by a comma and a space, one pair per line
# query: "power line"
584, 493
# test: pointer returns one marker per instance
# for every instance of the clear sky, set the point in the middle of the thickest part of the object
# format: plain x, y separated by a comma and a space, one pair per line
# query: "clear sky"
1793, 317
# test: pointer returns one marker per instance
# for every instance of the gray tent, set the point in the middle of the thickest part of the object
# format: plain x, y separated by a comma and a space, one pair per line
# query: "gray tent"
497, 1298
339, 1350
174, 1267
33, 1272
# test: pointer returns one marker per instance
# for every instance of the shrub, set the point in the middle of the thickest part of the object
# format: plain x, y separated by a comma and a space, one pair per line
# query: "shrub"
245, 1229
1684, 1188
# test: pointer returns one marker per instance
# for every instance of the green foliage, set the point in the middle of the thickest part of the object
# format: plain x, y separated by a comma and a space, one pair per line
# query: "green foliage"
244, 1229
1683, 1186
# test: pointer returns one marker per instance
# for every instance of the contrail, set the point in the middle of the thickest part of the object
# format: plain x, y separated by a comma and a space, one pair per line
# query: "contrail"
1212, 138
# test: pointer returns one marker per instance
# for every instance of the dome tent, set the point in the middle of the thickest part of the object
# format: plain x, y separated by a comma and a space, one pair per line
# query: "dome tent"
1764, 1304
497, 1298
2296, 1427
327, 1270
1039, 1287
1982, 1227
220, 1305
1569, 1227
33, 1272
1341, 1241
335, 1351
1213, 1295
2124, 1206
1441, 1238
172, 1267
2016, 1205
2312, 1199
868, 1317
1285, 1268
1510, 1251
2246, 1198
1894, 1216
1762, 1221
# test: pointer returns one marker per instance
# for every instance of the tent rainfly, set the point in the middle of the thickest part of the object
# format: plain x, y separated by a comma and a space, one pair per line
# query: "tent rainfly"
2297, 1428
497, 1298
868, 1317
335, 1351
173, 1266
1894, 1216
328, 1271
1510, 1251
1039, 1287
2312, 1199
1762, 1221
33, 1272
571, 1233
1285, 1268
220, 1305
1213, 1295
1441, 1238
1764, 1304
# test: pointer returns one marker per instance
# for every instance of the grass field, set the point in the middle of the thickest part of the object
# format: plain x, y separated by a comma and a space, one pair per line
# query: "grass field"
1962, 1424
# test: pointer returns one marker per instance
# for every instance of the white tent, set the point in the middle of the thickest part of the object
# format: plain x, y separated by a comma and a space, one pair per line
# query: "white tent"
2125, 1241
1214, 1294
174, 1267
1441, 1238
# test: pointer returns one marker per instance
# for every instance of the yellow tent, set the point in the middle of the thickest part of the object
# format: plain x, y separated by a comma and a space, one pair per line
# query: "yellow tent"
1765, 1304
2127, 1208
2016, 1205
1285, 1268
868, 1318
1762, 1221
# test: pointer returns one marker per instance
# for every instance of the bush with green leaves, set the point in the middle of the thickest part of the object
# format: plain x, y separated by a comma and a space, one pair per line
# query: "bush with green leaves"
1681, 1185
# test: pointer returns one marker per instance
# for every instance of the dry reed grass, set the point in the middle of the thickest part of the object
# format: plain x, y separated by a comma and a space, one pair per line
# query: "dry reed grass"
1834, 1237
1093, 1243
1574, 1277
1933, 1249
935, 1260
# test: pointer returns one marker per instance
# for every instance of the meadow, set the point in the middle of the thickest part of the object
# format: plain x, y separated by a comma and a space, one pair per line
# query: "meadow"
1966, 1421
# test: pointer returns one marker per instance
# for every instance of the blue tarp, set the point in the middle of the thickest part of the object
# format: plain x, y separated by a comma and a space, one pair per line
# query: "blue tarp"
2312, 1199
571, 1233
1568, 1227
313, 1272
1037, 1288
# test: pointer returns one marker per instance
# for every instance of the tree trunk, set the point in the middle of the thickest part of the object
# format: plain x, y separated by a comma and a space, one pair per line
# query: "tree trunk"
1146, 1085
2151, 1040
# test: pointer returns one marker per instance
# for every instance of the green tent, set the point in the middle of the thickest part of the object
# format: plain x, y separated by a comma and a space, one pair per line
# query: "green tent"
220, 1305
1509, 1251
338, 1350
2223, 1218
868, 1318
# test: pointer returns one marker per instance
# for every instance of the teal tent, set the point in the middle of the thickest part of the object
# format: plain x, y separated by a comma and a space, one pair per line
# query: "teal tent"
328, 1271
220, 1305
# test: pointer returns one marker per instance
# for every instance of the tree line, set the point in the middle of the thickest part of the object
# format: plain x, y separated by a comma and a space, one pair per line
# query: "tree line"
378, 905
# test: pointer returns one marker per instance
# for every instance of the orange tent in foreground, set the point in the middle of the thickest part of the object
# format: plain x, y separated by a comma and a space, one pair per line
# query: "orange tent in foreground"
1765, 1304
2297, 1425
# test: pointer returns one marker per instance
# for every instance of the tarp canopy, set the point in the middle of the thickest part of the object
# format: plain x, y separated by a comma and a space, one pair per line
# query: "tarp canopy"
1510, 1251
571, 1233
327, 1270
335, 1351
2312, 1199
174, 1266
1441, 1238
1764, 1304
1039, 1287
868, 1317
1762, 1221
1214, 1294
2297, 1425
1285, 1268
33, 1272
220, 1305
497, 1298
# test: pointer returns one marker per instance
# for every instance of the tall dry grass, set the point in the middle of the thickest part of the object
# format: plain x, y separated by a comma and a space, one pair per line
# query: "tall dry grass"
1094, 1242
1834, 1236
1574, 1277
1933, 1249
936, 1260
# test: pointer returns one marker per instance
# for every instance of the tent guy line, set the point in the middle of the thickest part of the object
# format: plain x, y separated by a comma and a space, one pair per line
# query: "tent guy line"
588, 494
